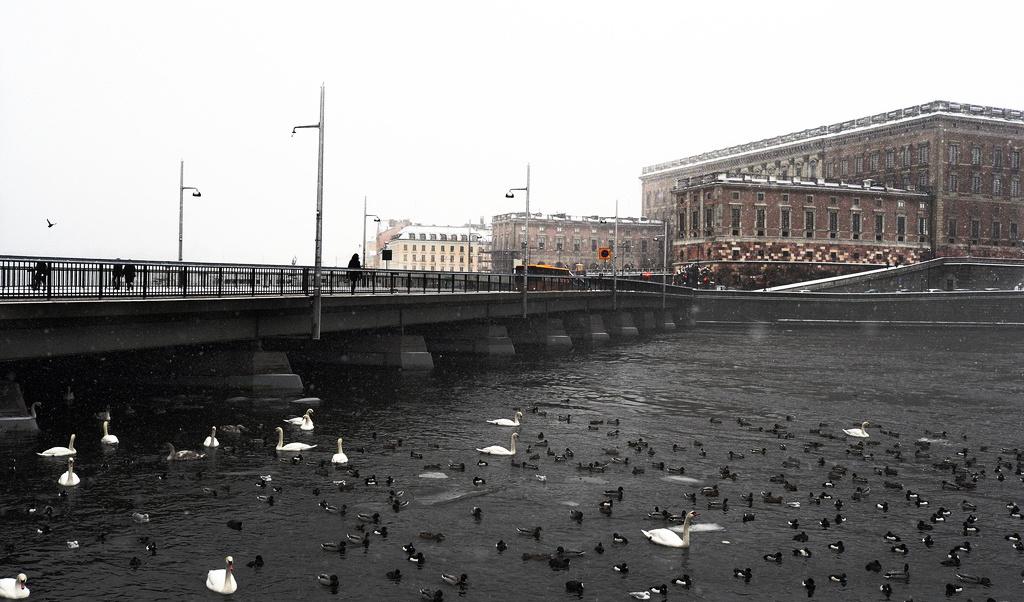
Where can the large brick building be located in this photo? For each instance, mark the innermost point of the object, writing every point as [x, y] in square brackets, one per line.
[967, 158]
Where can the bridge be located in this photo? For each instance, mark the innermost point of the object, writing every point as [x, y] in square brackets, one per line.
[241, 325]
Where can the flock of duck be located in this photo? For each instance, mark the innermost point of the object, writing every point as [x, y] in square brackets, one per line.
[841, 499]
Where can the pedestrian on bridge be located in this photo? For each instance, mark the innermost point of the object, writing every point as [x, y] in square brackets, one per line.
[354, 271]
[129, 276]
[118, 274]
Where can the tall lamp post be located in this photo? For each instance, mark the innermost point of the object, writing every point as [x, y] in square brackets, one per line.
[181, 205]
[664, 263]
[376, 218]
[615, 252]
[315, 328]
[526, 244]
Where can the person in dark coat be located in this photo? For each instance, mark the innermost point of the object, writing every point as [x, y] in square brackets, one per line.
[118, 274]
[129, 275]
[354, 271]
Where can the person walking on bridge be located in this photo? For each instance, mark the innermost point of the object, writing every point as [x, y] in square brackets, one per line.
[354, 271]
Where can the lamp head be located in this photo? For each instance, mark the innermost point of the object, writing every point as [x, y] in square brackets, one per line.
[376, 219]
[196, 193]
[510, 195]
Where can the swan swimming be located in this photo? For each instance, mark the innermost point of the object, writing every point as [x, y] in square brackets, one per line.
[69, 478]
[669, 538]
[506, 421]
[305, 421]
[222, 581]
[858, 432]
[182, 455]
[497, 450]
[291, 446]
[61, 451]
[340, 457]
[107, 437]
[14, 589]
[211, 441]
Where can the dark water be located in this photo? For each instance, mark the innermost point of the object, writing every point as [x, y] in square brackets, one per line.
[666, 390]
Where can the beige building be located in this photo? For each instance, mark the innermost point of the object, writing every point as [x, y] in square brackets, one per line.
[573, 241]
[441, 248]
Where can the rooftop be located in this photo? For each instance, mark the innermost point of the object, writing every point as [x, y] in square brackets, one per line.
[938, 107]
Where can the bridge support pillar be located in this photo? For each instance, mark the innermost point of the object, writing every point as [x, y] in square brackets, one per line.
[664, 320]
[405, 352]
[546, 333]
[253, 371]
[620, 325]
[473, 339]
[645, 321]
[14, 417]
[586, 329]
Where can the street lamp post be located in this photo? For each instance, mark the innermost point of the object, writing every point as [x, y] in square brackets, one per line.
[615, 252]
[315, 328]
[181, 205]
[526, 244]
[664, 265]
[376, 218]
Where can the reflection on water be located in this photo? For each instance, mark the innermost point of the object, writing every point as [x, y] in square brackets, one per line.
[687, 390]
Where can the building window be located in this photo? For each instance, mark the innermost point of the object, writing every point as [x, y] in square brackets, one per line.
[879, 226]
[922, 179]
[833, 224]
[682, 224]
[736, 196]
[695, 222]
[784, 222]
[559, 244]
[975, 231]
[808, 224]
[830, 170]
[858, 165]
[996, 233]
[809, 199]
[901, 227]
[736, 221]
[593, 244]
[874, 161]
[855, 225]
[905, 157]
[785, 197]
[844, 167]
[577, 244]
[1014, 186]
[997, 185]
[760, 221]
[1013, 230]
[922, 226]
[922, 154]
[953, 154]
[975, 155]
[953, 183]
[709, 220]
[1015, 160]
[643, 245]
[951, 230]
[760, 196]
[975, 183]
[997, 157]
[890, 159]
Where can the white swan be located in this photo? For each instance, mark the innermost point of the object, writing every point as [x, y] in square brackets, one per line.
[307, 422]
[301, 420]
[14, 589]
[103, 415]
[69, 478]
[340, 457]
[506, 421]
[61, 451]
[182, 455]
[497, 450]
[668, 537]
[291, 446]
[861, 432]
[222, 580]
[211, 441]
[107, 437]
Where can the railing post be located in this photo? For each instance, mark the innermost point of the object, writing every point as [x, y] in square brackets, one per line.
[49, 281]
[100, 271]
[220, 281]
[331, 277]
[252, 282]
[145, 280]
[281, 280]
[373, 282]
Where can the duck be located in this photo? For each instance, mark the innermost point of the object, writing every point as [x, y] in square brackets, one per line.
[838, 578]
[886, 590]
[432, 596]
[211, 441]
[501, 546]
[506, 422]
[574, 587]
[837, 546]
[874, 566]
[395, 575]
[808, 584]
[985, 581]
[900, 548]
[107, 438]
[644, 595]
[301, 420]
[61, 451]
[331, 546]
[621, 568]
[683, 581]
[183, 455]
[14, 589]
[69, 478]
[744, 574]
[533, 532]
[222, 580]
[328, 580]
[802, 552]
[668, 537]
[616, 538]
[801, 537]
[858, 432]
[340, 457]
[294, 446]
[899, 575]
[497, 450]
[776, 557]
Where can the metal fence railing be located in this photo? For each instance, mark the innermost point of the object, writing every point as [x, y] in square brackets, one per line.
[71, 278]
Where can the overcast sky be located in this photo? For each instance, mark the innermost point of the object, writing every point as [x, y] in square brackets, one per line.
[433, 108]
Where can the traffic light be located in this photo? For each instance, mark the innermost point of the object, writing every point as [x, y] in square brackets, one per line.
[604, 253]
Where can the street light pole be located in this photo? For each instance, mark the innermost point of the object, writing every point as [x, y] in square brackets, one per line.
[615, 252]
[181, 205]
[526, 255]
[376, 218]
[664, 265]
[315, 328]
